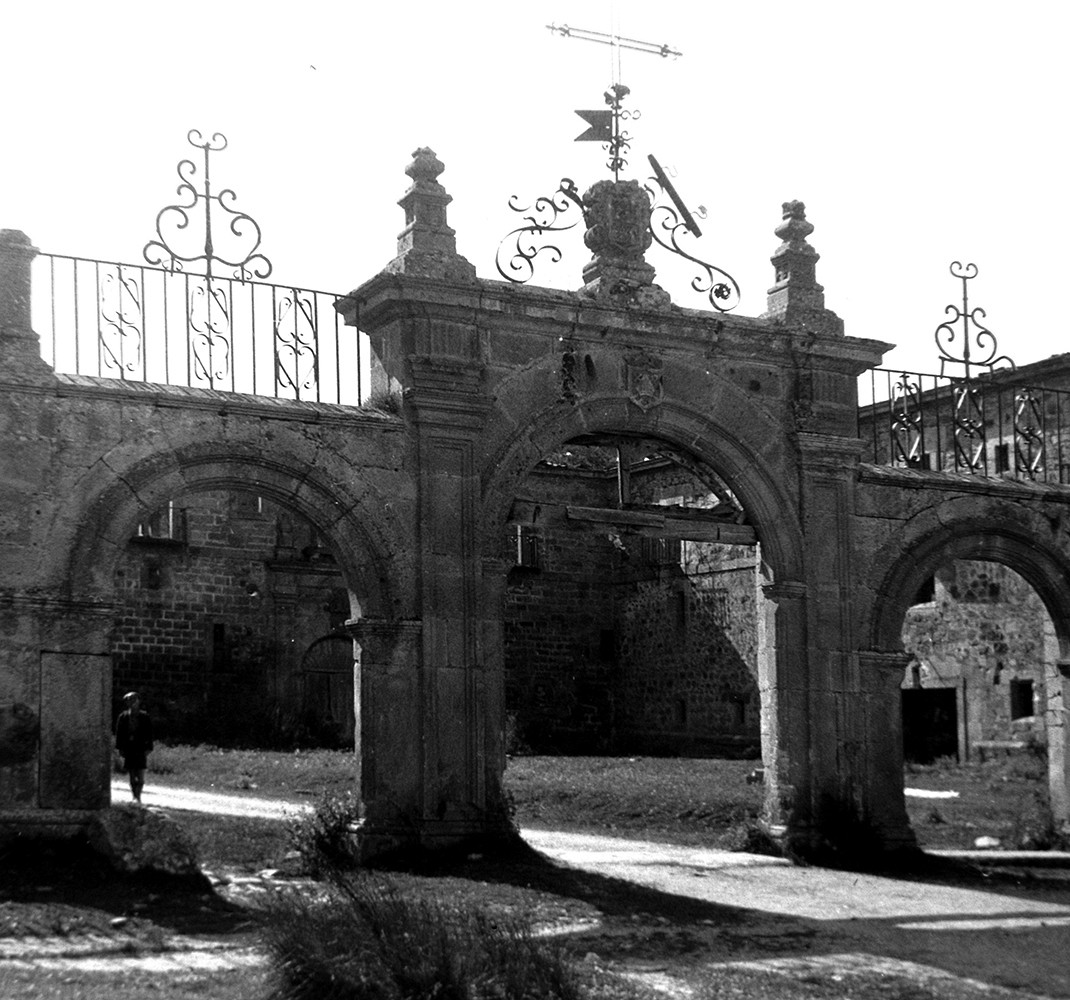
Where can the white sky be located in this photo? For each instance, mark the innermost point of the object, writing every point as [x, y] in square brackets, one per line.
[916, 133]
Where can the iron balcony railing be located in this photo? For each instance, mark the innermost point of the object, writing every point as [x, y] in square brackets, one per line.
[148, 324]
[992, 425]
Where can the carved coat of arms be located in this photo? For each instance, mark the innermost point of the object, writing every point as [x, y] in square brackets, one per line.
[643, 380]
[618, 220]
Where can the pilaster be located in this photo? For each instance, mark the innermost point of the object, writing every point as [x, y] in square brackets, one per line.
[883, 806]
[783, 673]
[1057, 690]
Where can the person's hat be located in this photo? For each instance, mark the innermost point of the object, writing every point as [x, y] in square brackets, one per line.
[130, 696]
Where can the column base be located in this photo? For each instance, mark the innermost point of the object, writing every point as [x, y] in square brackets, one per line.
[381, 843]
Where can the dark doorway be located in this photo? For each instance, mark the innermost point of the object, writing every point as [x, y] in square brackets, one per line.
[930, 724]
[327, 671]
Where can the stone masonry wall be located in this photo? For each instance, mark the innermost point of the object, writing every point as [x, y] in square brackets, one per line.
[214, 623]
[623, 642]
[982, 630]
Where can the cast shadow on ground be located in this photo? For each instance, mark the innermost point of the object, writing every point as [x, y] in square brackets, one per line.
[57, 878]
[992, 950]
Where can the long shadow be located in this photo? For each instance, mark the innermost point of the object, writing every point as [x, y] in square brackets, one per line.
[707, 931]
[57, 879]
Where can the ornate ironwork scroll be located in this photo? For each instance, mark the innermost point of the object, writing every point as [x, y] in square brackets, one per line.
[670, 221]
[209, 326]
[120, 333]
[1028, 434]
[982, 338]
[908, 439]
[296, 343]
[544, 217]
[969, 425]
[175, 221]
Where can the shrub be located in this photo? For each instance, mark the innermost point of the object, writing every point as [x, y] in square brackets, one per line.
[324, 837]
[385, 401]
[368, 941]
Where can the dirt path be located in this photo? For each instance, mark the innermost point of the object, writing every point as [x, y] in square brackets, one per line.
[715, 915]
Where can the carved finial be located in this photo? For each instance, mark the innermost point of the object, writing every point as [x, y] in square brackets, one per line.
[794, 228]
[427, 246]
[425, 166]
[796, 298]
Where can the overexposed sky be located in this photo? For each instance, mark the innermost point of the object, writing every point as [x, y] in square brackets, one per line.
[917, 133]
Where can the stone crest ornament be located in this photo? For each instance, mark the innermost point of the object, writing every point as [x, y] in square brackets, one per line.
[618, 220]
[643, 379]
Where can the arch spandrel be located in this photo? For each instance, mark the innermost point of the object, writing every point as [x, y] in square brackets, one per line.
[356, 519]
[1016, 535]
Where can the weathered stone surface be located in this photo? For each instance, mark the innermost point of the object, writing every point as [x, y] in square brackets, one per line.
[136, 840]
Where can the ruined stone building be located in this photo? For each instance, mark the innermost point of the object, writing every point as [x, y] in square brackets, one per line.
[574, 520]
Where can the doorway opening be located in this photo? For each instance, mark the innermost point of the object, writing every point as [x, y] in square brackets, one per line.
[630, 623]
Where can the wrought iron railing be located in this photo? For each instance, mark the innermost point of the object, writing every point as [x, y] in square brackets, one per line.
[147, 324]
[993, 425]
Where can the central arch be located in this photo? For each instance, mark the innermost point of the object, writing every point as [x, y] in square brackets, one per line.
[761, 476]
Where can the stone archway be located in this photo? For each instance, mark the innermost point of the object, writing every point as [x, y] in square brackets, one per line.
[357, 535]
[1018, 543]
[754, 481]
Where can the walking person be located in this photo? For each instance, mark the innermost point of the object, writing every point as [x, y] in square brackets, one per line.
[133, 740]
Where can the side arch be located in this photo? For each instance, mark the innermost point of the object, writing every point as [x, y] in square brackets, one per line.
[1016, 537]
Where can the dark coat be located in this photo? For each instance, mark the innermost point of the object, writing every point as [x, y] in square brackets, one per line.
[133, 738]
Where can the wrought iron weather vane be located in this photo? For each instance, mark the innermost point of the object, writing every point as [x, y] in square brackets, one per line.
[983, 338]
[666, 221]
[176, 219]
[209, 301]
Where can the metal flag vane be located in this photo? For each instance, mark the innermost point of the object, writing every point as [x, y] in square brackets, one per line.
[666, 220]
[605, 126]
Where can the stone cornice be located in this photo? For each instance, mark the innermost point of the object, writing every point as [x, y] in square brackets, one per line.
[209, 400]
[958, 482]
[388, 298]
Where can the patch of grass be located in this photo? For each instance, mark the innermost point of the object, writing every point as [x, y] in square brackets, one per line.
[685, 801]
[369, 940]
[324, 837]
[1004, 797]
[242, 842]
[295, 776]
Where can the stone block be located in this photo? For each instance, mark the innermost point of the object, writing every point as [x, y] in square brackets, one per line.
[135, 840]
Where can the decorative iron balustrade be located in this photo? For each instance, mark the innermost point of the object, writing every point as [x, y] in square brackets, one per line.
[993, 425]
[146, 324]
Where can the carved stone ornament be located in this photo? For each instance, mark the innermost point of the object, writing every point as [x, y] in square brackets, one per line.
[643, 380]
[618, 220]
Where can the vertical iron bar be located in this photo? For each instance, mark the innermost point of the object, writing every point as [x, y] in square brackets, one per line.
[166, 333]
[338, 359]
[314, 301]
[360, 374]
[77, 330]
[143, 333]
[52, 292]
[252, 330]
[937, 455]
[189, 338]
[96, 303]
